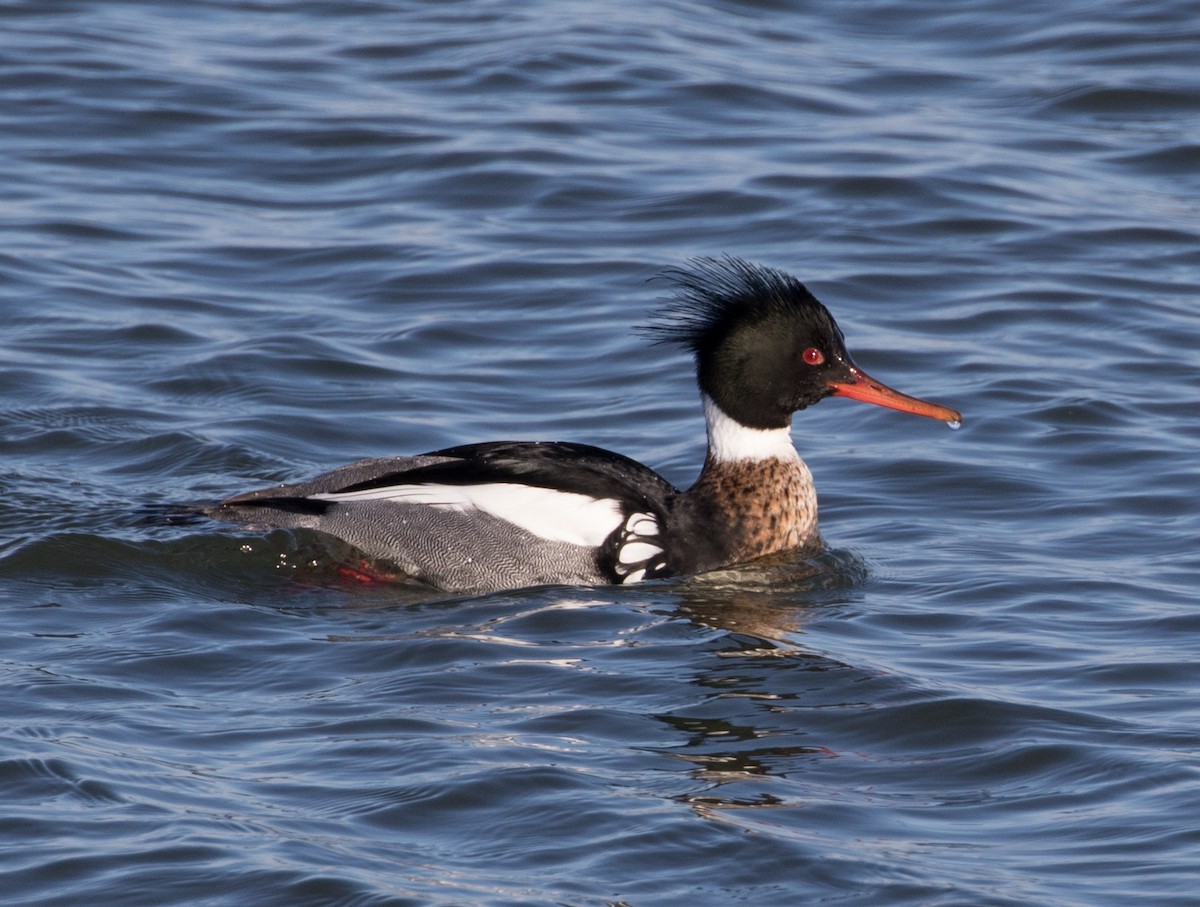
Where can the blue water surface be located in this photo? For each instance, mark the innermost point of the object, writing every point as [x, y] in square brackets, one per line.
[245, 242]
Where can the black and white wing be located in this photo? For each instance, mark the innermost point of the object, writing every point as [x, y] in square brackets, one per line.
[485, 516]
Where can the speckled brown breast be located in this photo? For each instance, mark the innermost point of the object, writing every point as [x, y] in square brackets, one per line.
[765, 506]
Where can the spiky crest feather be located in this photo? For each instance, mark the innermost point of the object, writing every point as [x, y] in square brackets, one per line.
[713, 295]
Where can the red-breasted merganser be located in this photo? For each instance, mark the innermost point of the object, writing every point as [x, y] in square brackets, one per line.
[508, 514]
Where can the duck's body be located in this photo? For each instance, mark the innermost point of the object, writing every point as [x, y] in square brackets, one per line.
[509, 514]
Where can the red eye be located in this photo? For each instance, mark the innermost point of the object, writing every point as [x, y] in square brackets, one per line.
[813, 356]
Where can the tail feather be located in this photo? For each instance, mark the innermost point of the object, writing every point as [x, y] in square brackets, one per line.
[301, 506]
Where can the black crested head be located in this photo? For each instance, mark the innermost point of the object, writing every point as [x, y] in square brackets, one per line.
[755, 333]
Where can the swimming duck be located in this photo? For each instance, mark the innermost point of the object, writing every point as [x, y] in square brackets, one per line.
[509, 514]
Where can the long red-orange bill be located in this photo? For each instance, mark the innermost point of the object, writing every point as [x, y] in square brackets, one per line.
[865, 388]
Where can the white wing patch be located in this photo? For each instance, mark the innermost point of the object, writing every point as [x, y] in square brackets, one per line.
[639, 550]
[636, 552]
[561, 516]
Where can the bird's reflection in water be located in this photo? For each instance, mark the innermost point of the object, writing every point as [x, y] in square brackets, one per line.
[748, 733]
[771, 598]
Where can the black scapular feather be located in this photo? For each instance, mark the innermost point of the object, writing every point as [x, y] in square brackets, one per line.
[557, 465]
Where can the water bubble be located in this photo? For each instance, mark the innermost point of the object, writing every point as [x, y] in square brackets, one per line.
[955, 424]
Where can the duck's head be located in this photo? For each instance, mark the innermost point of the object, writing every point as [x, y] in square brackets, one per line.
[765, 347]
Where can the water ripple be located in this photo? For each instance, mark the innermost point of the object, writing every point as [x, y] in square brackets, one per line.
[246, 242]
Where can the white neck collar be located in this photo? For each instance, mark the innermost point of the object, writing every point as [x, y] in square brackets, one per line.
[730, 441]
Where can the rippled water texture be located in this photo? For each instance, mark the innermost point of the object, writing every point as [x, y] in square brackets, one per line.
[244, 242]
